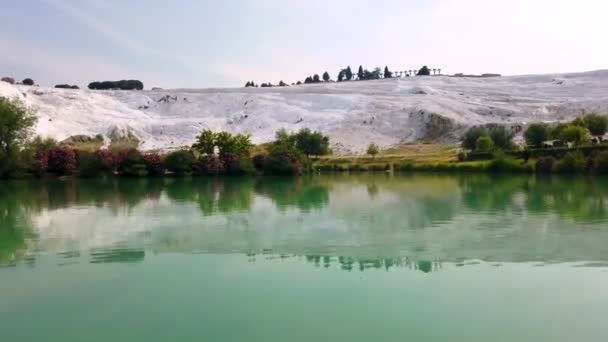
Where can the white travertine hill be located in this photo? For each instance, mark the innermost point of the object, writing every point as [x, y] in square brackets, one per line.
[354, 114]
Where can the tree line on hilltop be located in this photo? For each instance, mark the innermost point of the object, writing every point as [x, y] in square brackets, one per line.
[347, 74]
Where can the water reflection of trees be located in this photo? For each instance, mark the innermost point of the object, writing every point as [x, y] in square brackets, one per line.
[382, 217]
[304, 193]
[579, 198]
[361, 263]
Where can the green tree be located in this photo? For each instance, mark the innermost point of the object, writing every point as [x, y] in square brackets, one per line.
[316, 79]
[326, 76]
[373, 149]
[16, 122]
[387, 73]
[341, 76]
[348, 73]
[311, 143]
[536, 134]
[575, 134]
[424, 71]
[205, 142]
[469, 140]
[360, 72]
[180, 162]
[502, 137]
[484, 144]
[596, 124]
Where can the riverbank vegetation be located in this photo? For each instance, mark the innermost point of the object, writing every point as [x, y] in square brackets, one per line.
[212, 154]
[573, 147]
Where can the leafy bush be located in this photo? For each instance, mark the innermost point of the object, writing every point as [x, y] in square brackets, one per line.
[596, 124]
[131, 163]
[312, 143]
[239, 144]
[109, 160]
[154, 164]
[9, 80]
[284, 159]
[484, 144]
[66, 86]
[258, 161]
[502, 137]
[574, 134]
[424, 71]
[90, 164]
[504, 163]
[180, 162]
[545, 165]
[61, 161]
[28, 82]
[536, 134]
[210, 165]
[469, 140]
[373, 149]
[16, 122]
[573, 162]
[123, 85]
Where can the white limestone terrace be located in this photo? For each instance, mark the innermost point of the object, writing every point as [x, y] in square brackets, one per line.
[387, 112]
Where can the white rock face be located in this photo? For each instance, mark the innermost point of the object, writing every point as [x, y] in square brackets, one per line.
[354, 114]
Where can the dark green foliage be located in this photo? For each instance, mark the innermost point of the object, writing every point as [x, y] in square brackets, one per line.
[66, 86]
[469, 140]
[311, 143]
[258, 161]
[574, 134]
[484, 144]
[283, 159]
[210, 165]
[536, 134]
[424, 71]
[326, 76]
[504, 163]
[341, 76]
[132, 164]
[545, 164]
[154, 164]
[28, 82]
[601, 163]
[373, 149]
[16, 123]
[180, 162]
[476, 156]
[502, 137]
[573, 162]
[90, 164]
[596, 124]
[239, 144]
[348, 73]
[387, 73]
[122, 85]
[316, 79]
[360, 72]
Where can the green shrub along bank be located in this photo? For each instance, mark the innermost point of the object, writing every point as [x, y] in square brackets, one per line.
[212, 154]
[222, 153]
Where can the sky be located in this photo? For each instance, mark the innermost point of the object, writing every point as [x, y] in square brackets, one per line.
[204, 43]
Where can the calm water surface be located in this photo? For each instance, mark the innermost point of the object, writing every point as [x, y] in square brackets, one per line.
[327, 258]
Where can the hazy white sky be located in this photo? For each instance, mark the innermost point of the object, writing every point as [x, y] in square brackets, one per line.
[196, 43]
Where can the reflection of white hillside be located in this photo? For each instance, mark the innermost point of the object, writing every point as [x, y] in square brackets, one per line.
[360, 217]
